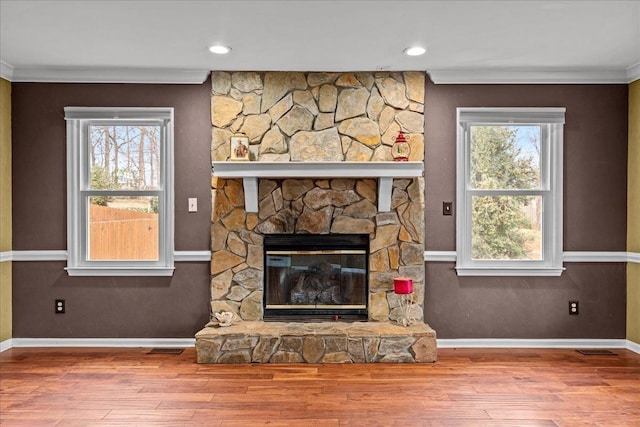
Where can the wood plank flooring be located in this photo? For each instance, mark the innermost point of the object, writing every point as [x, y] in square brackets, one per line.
[466, 387]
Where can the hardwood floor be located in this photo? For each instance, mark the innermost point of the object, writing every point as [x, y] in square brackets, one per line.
[466, 387]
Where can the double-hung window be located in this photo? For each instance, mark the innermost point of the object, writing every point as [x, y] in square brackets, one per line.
[509, 191]
[119, 191]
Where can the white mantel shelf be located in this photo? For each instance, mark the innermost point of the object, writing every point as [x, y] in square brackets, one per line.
[385, 172]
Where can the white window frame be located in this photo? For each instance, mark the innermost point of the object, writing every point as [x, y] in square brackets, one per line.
[78, 189]
[551, 121]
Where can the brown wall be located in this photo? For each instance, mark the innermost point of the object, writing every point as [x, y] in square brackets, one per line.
[595, 206]
[595, 153]
[105, 307]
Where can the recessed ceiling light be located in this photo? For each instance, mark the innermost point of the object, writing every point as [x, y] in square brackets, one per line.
[219, 49]
[415, 51]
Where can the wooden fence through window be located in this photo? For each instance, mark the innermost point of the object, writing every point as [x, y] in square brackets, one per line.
[122, 234]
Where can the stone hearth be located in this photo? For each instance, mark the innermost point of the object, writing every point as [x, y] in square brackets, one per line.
[326, 342]
[330, 117]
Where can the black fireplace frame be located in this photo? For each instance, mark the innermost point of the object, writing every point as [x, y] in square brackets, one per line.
[315, 242]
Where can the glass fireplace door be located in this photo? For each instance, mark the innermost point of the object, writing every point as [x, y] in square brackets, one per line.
[311, 277]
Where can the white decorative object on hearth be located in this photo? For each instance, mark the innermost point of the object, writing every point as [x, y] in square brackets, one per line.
[225, 318]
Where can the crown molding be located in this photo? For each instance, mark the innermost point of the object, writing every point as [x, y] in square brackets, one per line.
[176, 76]
[497, 76]
[633, 72]
[107, 75]
[6, 71]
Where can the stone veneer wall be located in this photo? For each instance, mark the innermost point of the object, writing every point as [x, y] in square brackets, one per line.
[316, 117]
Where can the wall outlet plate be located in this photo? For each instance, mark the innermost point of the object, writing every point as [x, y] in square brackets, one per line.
[60, 306]
[574, 308]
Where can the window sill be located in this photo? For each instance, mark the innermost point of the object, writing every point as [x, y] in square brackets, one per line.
[514, 271]
[101, 271]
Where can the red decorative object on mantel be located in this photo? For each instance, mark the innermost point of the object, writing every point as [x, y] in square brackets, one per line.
[400, 149]
[403, 285]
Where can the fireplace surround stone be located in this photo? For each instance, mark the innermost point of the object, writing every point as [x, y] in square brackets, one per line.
[316, 117]
[308, 206]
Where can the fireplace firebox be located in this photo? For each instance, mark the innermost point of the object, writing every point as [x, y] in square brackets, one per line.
[316, 277]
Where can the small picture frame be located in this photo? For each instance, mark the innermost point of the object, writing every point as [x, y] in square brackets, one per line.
[239, 147]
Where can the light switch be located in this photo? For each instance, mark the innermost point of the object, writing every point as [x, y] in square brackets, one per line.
[447, 208]
[193, 204]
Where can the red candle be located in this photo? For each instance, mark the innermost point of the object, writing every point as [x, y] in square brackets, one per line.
[403, 285]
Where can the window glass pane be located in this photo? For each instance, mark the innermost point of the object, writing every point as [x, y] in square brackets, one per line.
[125, 157]
[123, 228]
[506, 228]
[505, 157]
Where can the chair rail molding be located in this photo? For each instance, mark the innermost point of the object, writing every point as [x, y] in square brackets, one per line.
[568, 256]
[429, 256]
[6, 256]
[61, 255]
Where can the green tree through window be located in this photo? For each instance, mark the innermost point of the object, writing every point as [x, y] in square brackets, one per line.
[500, 225]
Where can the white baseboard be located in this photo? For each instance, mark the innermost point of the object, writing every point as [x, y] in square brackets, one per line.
[6, 345]
[442, 343]
[537, 343]
[633, 346]
[103, 342]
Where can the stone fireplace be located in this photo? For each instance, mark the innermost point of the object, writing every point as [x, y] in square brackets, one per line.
[300, 120]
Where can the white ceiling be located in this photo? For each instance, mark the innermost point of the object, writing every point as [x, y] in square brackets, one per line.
[466, 41]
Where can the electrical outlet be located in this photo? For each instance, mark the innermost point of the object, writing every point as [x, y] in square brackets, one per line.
[59, 306]
[574, 308]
